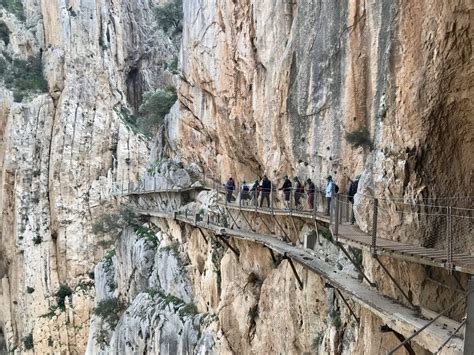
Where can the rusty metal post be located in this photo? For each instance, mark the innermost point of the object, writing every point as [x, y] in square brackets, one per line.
[271, 197]
[315, 201]
[374, 227]
[239, 195]
[449, 235]
[291, 200]
[256, 198]
[469, 331]
[348, 204]
[337, 215]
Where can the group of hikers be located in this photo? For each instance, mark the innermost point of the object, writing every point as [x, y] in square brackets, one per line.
[264, 189]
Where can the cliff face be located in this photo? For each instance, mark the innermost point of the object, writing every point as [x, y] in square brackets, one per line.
[274, 86]
[265, 87]
[60, 150]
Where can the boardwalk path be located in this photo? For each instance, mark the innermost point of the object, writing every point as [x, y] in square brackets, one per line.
[398, 317]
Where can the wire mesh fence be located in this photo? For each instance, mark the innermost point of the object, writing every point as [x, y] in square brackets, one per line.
[446, 231]
[431, 225]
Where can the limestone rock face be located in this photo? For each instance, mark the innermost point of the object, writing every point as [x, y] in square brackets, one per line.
[274, 86]
[160, 315]
[60, 151]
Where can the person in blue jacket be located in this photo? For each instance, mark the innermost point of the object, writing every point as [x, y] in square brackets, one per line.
[330, 187]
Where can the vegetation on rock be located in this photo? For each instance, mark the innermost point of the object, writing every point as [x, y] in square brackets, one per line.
[4, 33]
[28, 342]
[23, 76]
[15, 7]
[360, 138]
[110, 310]
[170, 16]
[63, 292]
[156, 105]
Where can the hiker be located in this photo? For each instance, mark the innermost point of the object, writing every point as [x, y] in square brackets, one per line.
[311, 191]
[286, 188]
[254, 191]
[230, 187]
[244, 192]
[352, 191]
[299, 191]
[266, 188]
[330, 189]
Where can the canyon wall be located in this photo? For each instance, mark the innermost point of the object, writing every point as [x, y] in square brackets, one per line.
[60, 151]
[265, 86]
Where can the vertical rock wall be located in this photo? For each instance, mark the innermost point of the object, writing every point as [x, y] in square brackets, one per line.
[274, 86]
[59, 152]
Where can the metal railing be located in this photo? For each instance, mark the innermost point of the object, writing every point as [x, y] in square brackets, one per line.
[445, 229]
[274, 200]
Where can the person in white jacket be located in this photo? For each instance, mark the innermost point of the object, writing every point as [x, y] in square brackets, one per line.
[330, 187]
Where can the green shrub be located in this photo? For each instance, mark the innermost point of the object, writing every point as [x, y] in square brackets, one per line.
[15, 7]
[110, 310]
[189, 309]
[28, 342]
[326, 234]
[30, 289]
[4, 33]
[170, 16]
[102, 338]
[37, 240]
[360, 138]
[335, 318]
[63, 292]
[317, 341]
[173, 66]
[173, 248]
[24, 76]
[357, 256]
[148, 234]
[113, 223]
[155, 107]
[253, 312]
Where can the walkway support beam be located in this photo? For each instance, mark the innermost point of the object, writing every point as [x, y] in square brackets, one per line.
[374, 227]
[357, 319]
[221, 237]
[357, 266]
[290, 261]
[396, 283]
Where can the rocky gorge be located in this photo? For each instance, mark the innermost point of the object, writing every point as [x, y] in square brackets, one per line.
[262, 87]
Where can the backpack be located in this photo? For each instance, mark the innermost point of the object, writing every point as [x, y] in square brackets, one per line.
[336, 188]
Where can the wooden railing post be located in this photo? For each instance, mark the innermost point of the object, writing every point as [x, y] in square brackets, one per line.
[374, 227]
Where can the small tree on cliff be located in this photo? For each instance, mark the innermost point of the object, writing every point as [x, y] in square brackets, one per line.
[170, 16]
[155, 107]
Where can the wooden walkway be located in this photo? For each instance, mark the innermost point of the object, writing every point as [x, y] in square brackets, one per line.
[397, 316]
[307, 214]
[169, 190]
[350, 235]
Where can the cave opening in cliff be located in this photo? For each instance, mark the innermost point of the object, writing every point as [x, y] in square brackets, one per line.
[134, 84]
